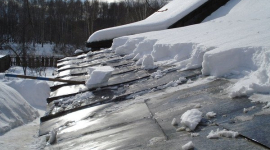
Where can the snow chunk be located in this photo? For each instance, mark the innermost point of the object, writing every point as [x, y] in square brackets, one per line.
[194, 134]
[52, 138]
[222, 133]
[211, 115]
[174, 123]
[191, 118]
[188, 146]
[245, 110]
[99, 76]
[78, 51]
[148, 62]
[157, 74]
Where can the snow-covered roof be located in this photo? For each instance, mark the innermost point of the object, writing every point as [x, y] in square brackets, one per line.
[164, 85]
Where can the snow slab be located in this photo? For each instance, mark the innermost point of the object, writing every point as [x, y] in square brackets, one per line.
[160, 20]
[232, 43]
[99, 76]
[2, 56]
[15, 110]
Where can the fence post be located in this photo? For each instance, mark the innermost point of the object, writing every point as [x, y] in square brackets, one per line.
[42, 61]
[51, 62]
[18, 61]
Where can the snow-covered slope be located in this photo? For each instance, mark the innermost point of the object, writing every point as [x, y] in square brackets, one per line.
[160, 20]
[14, 109]
[233, 42]
[34, 91]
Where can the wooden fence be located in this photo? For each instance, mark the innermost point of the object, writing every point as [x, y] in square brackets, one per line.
[31, 61]
[37, 61]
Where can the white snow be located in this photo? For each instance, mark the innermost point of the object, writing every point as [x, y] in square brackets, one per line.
[222, 133]
[24, 137]
[2, 56]
[174, 123]
[148, 62]
[188, 146]
[157, 74]
[15, 110]
[99, 76]
[191, 118]
[33, 91]
[160, 20]
[232, 43]
[156, 140]
[77, 51]
[210, 114]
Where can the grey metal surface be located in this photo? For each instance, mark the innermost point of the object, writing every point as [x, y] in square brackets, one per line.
[134, 135]
[211, 97]
[255, 126]
[46, 127]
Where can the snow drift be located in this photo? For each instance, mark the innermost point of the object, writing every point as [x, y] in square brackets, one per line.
[14, 109]
[33, 91]
[233, 42]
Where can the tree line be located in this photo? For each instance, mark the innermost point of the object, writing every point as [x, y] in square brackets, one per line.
[66, 22]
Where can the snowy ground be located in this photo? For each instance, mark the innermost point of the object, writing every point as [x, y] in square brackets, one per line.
[31, 96]
[24, 137]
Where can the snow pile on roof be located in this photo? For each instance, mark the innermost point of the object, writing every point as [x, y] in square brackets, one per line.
[148, 62]
[222, 133]
[99, 76]
[15, 110]
[162, 19]
[191, 118]
[233, 42]
[33, 91]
